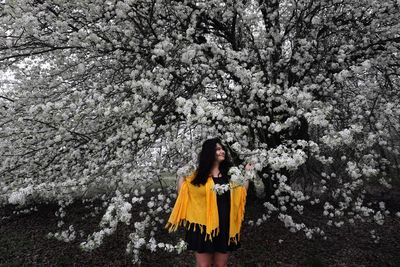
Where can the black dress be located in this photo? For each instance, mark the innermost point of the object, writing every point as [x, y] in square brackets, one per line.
[195, 239]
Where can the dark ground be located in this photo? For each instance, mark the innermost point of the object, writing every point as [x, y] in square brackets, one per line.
[23, 242]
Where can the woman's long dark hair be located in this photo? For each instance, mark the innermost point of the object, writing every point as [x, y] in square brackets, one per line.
[206, 160]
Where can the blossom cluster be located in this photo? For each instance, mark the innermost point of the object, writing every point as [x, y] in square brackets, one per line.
[221, 188]
[118, 210]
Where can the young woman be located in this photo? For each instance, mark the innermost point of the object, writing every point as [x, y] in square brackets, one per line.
[212, 220]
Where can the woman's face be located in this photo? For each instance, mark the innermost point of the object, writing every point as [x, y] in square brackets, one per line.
[219, 153]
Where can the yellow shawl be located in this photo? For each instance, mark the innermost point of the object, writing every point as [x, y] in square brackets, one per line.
[198, 205]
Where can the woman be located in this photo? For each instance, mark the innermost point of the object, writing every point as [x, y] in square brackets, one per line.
[212, 220]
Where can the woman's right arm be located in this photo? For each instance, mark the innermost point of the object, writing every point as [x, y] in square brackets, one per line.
[180, 182]
[248, 167]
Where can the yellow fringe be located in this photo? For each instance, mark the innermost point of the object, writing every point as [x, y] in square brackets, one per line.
[214, 233]
[234, 239]
[186, 224]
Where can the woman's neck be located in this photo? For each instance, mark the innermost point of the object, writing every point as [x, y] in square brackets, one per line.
[215, 170]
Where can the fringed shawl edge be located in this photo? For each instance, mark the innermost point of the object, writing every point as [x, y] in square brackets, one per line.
[187, 224]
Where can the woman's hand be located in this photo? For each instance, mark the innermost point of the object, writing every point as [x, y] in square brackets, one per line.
[248, 167]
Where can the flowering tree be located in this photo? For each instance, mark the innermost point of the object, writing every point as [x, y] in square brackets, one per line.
[112, 93]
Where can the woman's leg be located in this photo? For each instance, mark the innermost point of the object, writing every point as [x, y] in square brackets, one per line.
[220, 259]
[203, 259]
